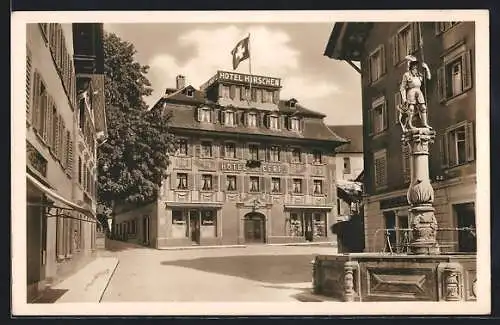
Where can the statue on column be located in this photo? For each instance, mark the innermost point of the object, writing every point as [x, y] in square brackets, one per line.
[412, 95]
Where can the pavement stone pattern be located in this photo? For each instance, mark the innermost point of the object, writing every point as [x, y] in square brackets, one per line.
[256, 273]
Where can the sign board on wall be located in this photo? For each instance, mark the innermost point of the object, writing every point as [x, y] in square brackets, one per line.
[241, 167]
[240, 78]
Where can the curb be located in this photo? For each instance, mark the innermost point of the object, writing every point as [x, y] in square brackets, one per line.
[174, 248]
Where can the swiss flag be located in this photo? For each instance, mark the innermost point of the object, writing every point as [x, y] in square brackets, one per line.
[241, 52]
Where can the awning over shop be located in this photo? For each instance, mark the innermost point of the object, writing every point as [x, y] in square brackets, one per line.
[54, 195]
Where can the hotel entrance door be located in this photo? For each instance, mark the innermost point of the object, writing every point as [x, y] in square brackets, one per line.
[194, 226]
[308, 226]
[254, 228]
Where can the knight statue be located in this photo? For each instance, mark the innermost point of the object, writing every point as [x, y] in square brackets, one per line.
[412, 95]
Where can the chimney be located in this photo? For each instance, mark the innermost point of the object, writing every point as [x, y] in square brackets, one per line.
[180, 81]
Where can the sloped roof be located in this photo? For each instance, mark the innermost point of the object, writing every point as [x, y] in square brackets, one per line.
[352, 133]
[283, 106]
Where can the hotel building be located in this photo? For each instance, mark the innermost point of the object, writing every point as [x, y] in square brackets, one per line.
[250, 168]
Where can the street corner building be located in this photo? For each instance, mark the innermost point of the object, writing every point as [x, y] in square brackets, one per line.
[448, 49]
[64, 117]
[250, 168]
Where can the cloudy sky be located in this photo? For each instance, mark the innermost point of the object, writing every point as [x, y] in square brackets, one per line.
[291, 51]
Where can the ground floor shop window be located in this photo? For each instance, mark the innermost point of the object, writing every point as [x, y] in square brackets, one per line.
[295, 225]
[466, 221]
[179, 224]
[208, 223]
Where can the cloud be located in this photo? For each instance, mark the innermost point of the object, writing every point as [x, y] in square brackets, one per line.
[272, 52]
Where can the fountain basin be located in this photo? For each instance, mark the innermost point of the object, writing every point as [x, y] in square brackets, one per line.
[395, 277]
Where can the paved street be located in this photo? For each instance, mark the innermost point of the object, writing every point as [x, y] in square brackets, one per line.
[254, 273]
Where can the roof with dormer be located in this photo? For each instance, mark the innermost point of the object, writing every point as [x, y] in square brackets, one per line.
[184, 108]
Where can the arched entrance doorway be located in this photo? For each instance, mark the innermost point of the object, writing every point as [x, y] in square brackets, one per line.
[254, 227]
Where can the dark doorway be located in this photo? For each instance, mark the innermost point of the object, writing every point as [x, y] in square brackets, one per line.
[194, 226]
[145, 230]
[390, 233]
[308, 226]
[254, 228]
[466, 218]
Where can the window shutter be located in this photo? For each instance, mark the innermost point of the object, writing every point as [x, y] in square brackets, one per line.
[190, 181]
[245, 118]
[246, 187]
[414, 36]
[290, 185]
[232, 91]
[64, 149]
[55, 130]
[441, 83]
[276, 97]
[239, 183]
[213, 116]
[198, 114]
[385, 116]
[28, 84]
[443, 144]
[267, 184]
[62, 128]
[222, 117]
[393, 46]
[173, 179]
[382, 58]
[36, 100]
[49, 115]
[197, 150]
[239, 150]
[215, 182]
[467, 66]
[367, 70]
[282, 184]
[69, 154]
[470, 140]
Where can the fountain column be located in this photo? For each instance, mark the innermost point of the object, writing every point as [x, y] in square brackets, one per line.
[420, 193]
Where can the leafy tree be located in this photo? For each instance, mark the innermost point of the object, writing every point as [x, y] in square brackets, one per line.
[133, 160]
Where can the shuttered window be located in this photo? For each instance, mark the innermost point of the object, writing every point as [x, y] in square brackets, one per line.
[380, 169]
[69, 154]
[458, 145]
[404, 42]
[377, 66]
[454, 76]
[378, 115]
[28, 85]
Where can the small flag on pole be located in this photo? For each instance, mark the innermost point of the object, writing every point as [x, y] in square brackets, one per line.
[241, 51]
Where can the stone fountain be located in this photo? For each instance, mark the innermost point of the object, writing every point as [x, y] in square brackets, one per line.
[424, 274]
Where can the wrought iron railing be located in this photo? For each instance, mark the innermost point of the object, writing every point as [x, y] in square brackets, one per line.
[450, 240]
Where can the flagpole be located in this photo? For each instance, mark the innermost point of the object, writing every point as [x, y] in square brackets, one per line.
[250, 64]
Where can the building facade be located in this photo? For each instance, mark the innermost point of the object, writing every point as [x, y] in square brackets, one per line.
[250, 168]
[348, 162]
[63, 120]
[448, 49]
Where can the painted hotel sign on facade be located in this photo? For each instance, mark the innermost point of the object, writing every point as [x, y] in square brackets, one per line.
[241, 167]
[243, 79]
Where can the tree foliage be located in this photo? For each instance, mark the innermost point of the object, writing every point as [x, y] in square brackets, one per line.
[134, 159]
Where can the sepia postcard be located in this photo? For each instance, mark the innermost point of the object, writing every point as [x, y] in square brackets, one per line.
[250, 163]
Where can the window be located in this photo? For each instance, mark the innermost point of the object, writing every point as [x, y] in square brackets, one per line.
[378, 115]
[225, 92]
[275, 185]
[205, 115]
[254, 184]
[405, 42]
[274, 154]
[273, 122]
[406, 163]
[294, 124]
[295, 228]
[79, 170]
[190, 92]
[380, 168]
[206, 149]
[207, 217]
[317, 157]
[231, 183]
[206, 181]
[178, 217]
[376, 64]
[318, 186]
[297, 186]
[319, 224]
[230, 150]
[459, 145]
[237, 92]
[183, 147]
[296, 155]
[441, 27]
[245, 93]
[182, 181]
[253, 150]
[454, 76]
[229, 118]
[252, 119]
[347, 165]
[258, 95]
